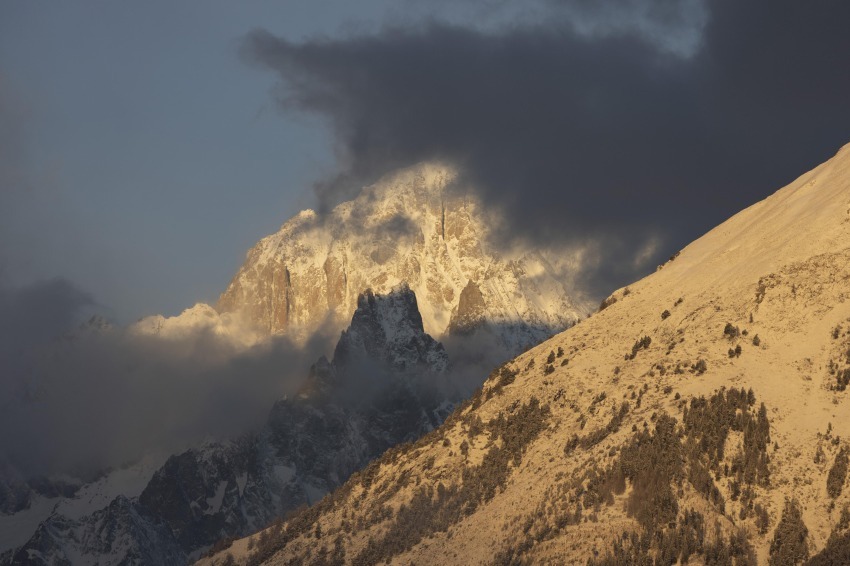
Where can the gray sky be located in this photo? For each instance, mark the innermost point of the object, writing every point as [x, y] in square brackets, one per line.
[145, 147]
[142, 157]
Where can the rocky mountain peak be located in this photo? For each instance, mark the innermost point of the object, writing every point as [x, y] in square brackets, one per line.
[388, 329]
[417, 228]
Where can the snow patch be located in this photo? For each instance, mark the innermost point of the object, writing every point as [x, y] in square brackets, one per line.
[241, 482]
[17, 528]
[129, 482]
[214, 502]
[284, 474]
[314, 493]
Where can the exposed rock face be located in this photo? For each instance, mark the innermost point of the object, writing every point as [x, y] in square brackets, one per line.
[380, 389]
[388, 330]
[406, 229]
[469, 314]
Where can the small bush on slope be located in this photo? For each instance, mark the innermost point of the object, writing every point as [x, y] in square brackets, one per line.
[503, 377]
[842, 379]
[601, 434]
[639, 345]
[607, 303]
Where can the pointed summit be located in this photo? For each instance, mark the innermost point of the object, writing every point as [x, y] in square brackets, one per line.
[415, 228]
[388, 329]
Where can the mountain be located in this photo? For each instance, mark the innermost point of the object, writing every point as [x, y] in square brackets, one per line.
[121, 533]
[702, 415]
[38, 498]
[417, 227]
[385, 385]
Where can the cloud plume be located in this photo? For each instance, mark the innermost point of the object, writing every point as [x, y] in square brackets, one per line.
[579, 123]
[78, 402]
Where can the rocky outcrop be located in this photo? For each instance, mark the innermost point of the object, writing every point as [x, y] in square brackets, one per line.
[388, 330]
[469, 315]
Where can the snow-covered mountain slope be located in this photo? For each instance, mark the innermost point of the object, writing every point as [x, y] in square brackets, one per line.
[384, 386]
[75, 501]
[702, 416]
[410, 228]
[121, 533]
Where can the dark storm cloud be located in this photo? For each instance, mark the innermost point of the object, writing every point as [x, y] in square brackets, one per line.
[606, 137]
[37, 313]
[75, 400]
[526, 115]
[30, 316]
